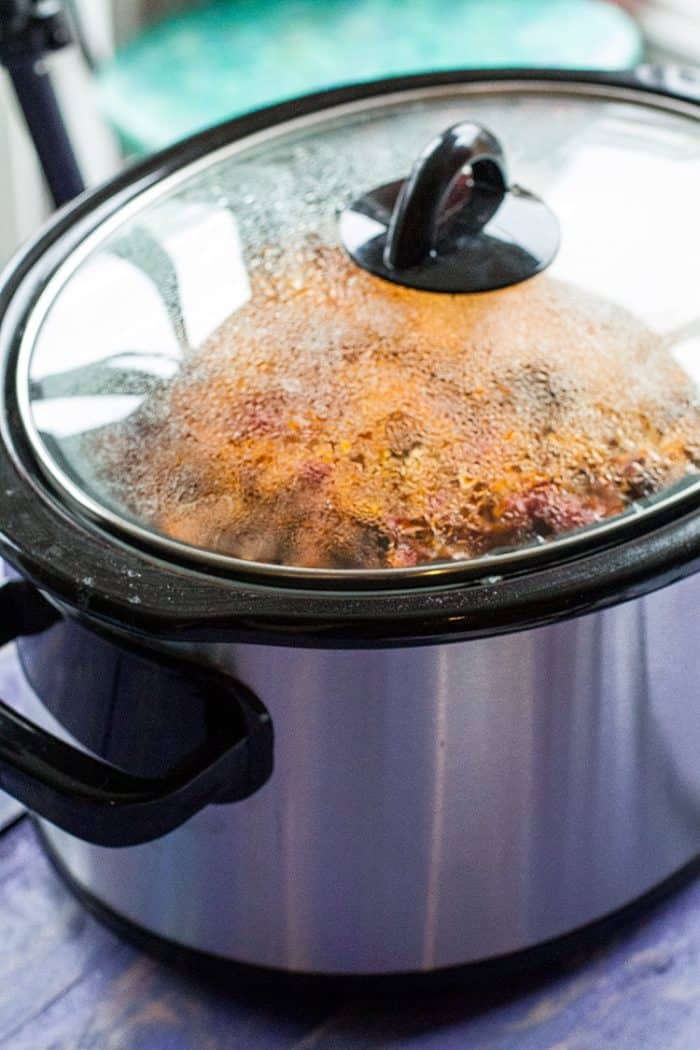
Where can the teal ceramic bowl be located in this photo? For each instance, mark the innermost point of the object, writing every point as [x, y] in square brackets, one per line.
[221, 59]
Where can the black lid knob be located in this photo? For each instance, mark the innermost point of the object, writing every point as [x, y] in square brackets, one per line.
[454, 225]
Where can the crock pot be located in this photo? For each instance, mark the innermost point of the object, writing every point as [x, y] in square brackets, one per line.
[325, 766]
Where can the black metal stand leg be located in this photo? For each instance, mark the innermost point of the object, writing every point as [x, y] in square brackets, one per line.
[37, 98]
[28, 30]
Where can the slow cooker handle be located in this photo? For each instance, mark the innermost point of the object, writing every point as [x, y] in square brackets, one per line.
[454, 225]
[424, 198]
[101, 803]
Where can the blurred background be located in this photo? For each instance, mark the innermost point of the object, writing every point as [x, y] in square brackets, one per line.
[144, 73]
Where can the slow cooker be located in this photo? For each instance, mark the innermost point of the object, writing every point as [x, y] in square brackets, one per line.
[350, 474]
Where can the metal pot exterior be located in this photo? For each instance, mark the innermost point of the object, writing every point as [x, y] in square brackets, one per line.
[439, 805]
[430, 805]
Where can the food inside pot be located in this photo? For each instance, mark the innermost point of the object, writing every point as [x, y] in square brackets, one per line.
[340, 421]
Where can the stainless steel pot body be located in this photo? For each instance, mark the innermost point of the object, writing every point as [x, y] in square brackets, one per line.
[429, 805]
[437, 805]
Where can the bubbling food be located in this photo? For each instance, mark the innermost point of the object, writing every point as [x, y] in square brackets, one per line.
[339, 421]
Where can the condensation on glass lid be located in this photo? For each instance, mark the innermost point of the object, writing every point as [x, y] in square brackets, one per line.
[339, 422]
[210, 368]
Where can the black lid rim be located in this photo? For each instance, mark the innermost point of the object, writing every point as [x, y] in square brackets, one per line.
[105, 579]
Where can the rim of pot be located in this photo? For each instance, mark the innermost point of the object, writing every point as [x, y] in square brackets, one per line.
[127, 580]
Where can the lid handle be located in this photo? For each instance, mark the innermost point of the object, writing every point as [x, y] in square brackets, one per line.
[461, 171]
[455, 224]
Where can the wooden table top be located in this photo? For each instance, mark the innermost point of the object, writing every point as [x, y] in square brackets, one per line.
[68, 983]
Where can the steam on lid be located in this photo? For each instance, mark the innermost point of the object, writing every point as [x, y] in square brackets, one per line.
[340, 421]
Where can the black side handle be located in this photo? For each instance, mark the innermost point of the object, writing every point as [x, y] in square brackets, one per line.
[99, 802]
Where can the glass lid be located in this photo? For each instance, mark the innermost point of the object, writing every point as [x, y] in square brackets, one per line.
[220, 370]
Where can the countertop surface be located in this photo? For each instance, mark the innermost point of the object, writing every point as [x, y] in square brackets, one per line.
[68, 982]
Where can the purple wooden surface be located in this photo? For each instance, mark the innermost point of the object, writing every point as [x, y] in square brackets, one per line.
[10, 811]
[67, 983]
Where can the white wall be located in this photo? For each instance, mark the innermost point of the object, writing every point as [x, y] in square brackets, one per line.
[24, 202]
[673, 29]
[110, 22]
